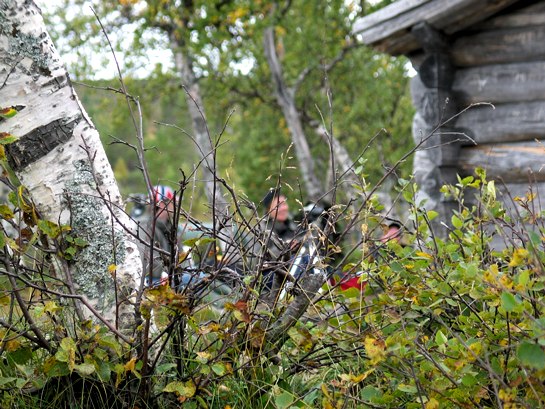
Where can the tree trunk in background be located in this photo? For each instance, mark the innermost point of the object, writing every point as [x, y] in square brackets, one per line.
[60, 160]
[343, 164]
[205, 147]
[286, 99]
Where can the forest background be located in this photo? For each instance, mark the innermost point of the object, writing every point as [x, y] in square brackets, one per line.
[360, 97]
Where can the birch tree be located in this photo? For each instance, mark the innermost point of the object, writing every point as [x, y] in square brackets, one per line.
[285, 97]
[59, 159]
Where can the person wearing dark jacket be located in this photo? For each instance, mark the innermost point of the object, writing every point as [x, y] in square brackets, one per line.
[156, 222]
[278, 217]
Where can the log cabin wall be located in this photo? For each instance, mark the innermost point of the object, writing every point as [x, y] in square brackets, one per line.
[503, 62]
[497, 58]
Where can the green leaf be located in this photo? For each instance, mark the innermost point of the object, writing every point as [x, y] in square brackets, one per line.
[20, 383]
[508, 301]
[407, 388]
[440, 338]
[20, 356]
[491, 189]
[219, 368]
[284, 400]
[9, 112]
[5, 381]
[432, 214]
[185, 389]
[369, 393]
[161, 369]
[49, 228]
[85, 369]
[469, 380]
[80, 242]
[531, 355]
[524, 277]
[456, 222]
[109, 341]
[104, 371]
[6, 138]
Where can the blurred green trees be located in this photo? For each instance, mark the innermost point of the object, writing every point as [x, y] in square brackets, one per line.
[350, 90]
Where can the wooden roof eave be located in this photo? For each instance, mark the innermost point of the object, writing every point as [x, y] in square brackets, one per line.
[389, 29]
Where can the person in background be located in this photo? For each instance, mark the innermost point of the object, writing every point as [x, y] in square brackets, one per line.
[278, 217]
[157, 221]
[392, 230]
[296, 245]
[279, 231]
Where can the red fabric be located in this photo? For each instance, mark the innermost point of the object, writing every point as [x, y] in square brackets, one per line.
[349, 282]
[163, 193]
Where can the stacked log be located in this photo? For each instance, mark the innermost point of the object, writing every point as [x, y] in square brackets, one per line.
[502, 62]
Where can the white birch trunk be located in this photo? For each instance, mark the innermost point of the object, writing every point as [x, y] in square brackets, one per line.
[61, 161]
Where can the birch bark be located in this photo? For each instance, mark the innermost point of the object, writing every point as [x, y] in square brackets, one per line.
[286, 101]
[207, 152]
[60, 160]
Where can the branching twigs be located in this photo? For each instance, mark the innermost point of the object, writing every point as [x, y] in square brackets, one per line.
[42, 341]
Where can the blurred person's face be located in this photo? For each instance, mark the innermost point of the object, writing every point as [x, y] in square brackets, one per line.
[164, 210]
[279, 209]
[391, 233]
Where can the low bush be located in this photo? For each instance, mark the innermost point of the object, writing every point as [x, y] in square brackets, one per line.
[444, 320]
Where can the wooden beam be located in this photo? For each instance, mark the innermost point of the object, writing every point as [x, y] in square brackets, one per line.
[389, 28]
[511, 163]
[500, 83]
[500, 46]
[529, 16]
[520, 121]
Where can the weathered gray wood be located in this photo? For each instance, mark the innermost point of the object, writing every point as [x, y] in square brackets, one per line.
[529, 16]
[514, 196]
[509, 191]
[435, 105]
[387, 13]
[500, 46]
[504, 123]
[514, 162]
[395, 21]
[500, 83]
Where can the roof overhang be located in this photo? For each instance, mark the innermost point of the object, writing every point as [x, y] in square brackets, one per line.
[389, 29]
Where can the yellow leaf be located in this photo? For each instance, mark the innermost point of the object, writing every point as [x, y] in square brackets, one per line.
[203, 356]
[182, 389]
[361, 377]
[12, 345]
[375, 349]
[432, 404]
[129, 366]
[423, 254]
[325, 391]
[519, 256]
[51, 307]
[364, 375]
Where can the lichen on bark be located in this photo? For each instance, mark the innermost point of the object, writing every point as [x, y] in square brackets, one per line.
[104, 247]
[22, 45]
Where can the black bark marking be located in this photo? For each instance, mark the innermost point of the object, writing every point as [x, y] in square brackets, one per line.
[39, 142]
